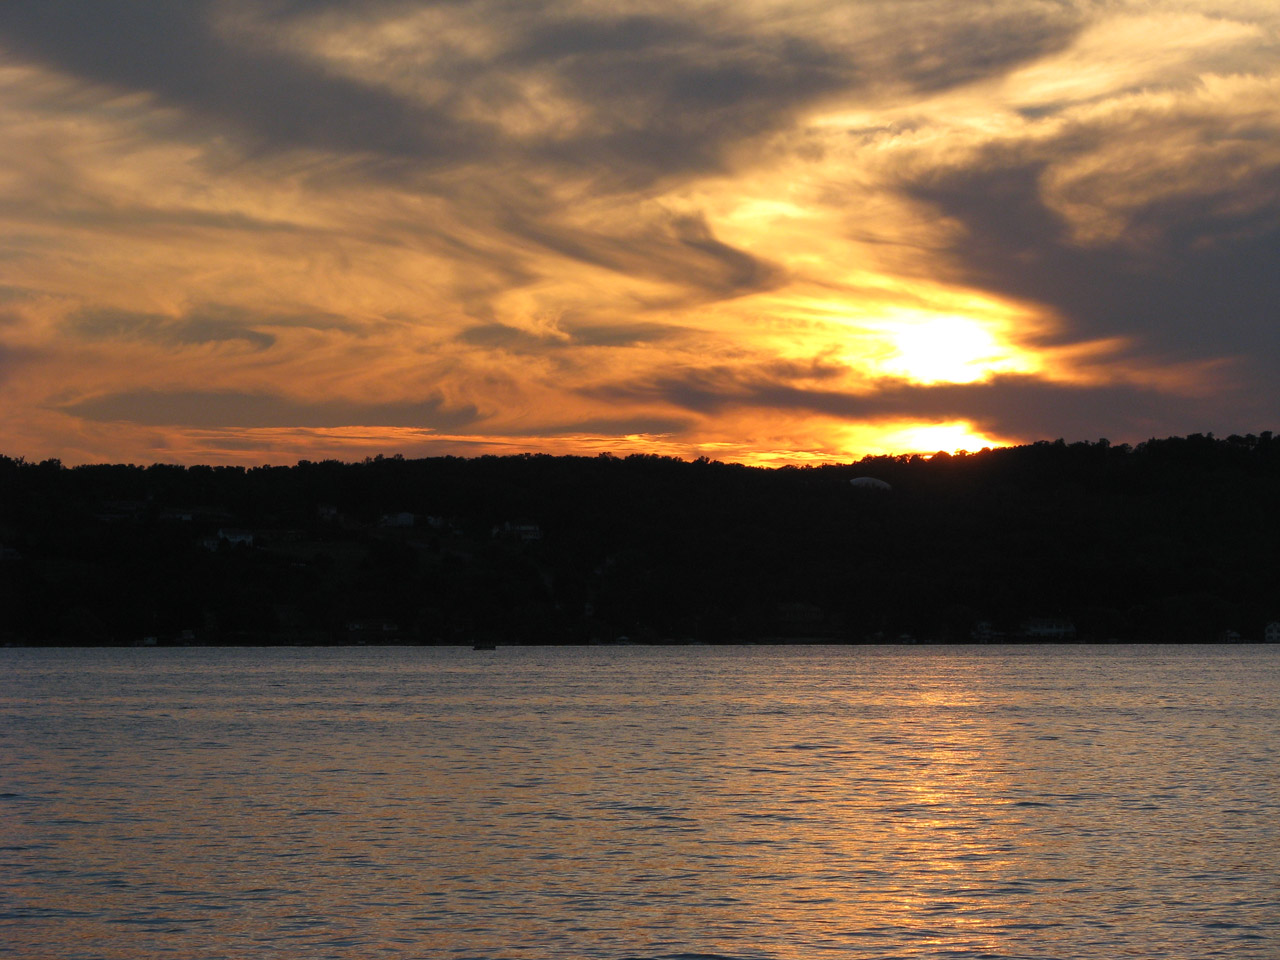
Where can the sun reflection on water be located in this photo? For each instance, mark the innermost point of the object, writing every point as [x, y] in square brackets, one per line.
[641, 802]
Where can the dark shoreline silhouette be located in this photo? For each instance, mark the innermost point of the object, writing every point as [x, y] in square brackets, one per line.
[1172, 540]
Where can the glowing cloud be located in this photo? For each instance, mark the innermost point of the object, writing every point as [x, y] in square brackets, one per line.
[790, 231]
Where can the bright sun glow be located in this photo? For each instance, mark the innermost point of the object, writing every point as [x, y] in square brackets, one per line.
[924, 438]
[950, 349]
[791, 278]
[943, 436]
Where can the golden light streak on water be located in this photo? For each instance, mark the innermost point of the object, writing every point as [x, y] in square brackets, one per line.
[781, 802]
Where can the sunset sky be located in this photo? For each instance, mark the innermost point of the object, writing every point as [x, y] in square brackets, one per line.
[769, 231]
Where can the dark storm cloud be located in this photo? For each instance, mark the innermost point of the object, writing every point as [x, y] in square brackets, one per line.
[737, 270]
[212, 409]
[662, 95]
[173, 50]
[940, 50]
[606, 427]
[1185, 274]
[656, 98]
[1009, 405]
[659, 96]
[501, 336]
[12, 358]
[1207, 278]
[194, 328]
[11, 294]
[681, 251]
[209, 323]
[481, 162]
[666, 95]
[100, 213]
[669, 95]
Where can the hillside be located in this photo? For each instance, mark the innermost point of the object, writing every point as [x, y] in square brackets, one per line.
[1171, 540]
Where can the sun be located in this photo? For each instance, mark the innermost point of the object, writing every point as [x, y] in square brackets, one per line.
[951, 437]
[949, 349]
[908, 436]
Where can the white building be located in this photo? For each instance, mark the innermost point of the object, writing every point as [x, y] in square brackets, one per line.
[1048, 628]
[984, 632]
[523, 530]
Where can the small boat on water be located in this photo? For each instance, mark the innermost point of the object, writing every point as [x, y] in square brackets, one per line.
[485, 646]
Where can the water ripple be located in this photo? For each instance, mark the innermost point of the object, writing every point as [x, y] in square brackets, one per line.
[641, 803]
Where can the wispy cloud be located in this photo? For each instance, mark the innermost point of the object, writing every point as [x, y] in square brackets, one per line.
[774, 229]
[199, 327]
[206, 408]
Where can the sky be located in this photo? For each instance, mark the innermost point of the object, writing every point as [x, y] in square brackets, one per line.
[762, 231]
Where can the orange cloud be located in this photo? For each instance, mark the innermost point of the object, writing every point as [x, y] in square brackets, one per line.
[783, 233]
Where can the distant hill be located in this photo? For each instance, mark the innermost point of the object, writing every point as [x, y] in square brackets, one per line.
[1171, 540]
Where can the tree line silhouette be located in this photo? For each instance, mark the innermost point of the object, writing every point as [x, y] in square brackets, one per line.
[1170, 540]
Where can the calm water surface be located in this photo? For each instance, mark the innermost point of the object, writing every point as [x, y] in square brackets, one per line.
[756, 802]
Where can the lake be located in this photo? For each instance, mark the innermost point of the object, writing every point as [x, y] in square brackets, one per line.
[640, 802]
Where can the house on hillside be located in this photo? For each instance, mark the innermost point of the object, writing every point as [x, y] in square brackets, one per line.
[375, 629]
[524, 531]
[230, 536]
[1048, 628]
[985, 632]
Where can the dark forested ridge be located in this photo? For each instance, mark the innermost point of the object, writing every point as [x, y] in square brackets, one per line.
[1171, 540]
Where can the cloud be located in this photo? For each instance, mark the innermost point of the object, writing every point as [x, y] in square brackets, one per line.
[209, 326]
[1201, 280]
[721, 224]
[937, 47]
[211, 323]
[626, 98]
[1011, 405]
[176, 53]
[14, 358]
[211, 409]
[668, 96]
[679, 250]
[499, 335]
[568, 335]
[622, 334]
[609, 427]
